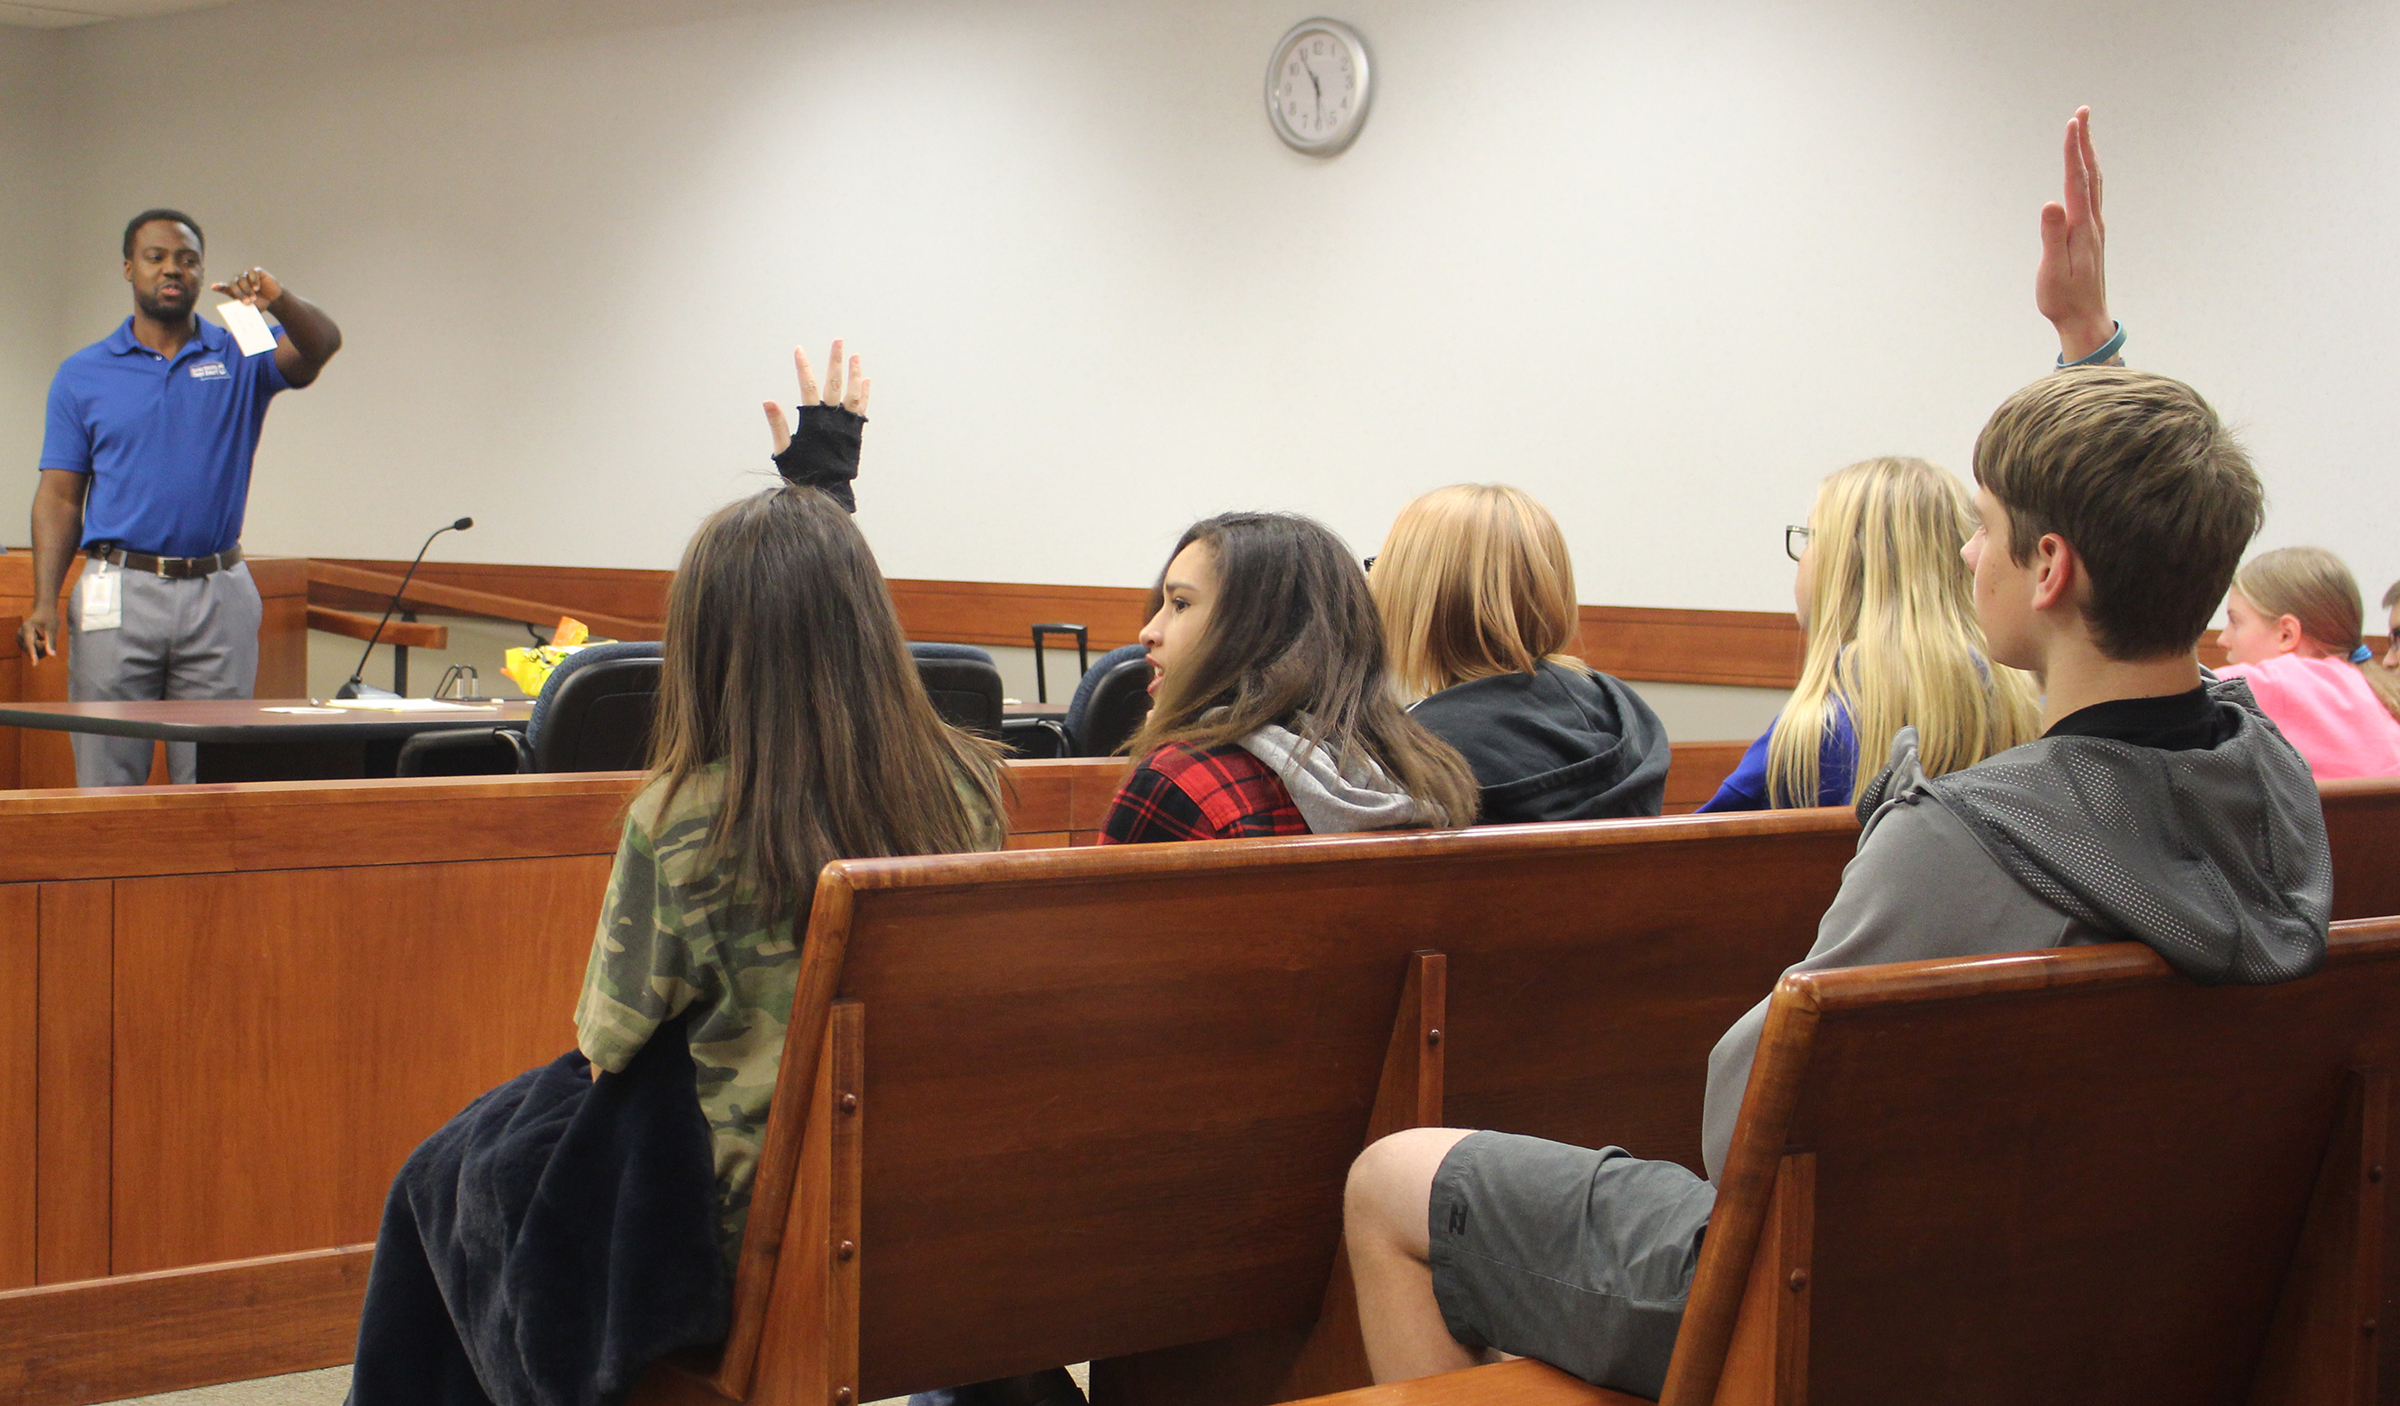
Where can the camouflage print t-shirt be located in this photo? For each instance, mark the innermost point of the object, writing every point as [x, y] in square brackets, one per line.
[677, 935]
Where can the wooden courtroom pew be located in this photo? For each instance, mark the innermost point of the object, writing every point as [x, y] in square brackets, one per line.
[1163, 1200]
[1649, 924]
[2069, 1177]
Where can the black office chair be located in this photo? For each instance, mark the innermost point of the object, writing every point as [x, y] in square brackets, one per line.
[594, 714]
[963, 683]
[1111, 702]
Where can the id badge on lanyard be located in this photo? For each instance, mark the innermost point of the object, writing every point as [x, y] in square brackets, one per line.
[100, 597]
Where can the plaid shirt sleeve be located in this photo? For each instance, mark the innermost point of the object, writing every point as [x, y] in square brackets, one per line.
[1150, 808]
[1182, 793]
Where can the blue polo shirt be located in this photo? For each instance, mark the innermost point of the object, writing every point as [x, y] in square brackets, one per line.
[168, 443]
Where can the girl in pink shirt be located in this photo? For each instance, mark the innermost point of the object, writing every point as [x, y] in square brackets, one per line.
[2292, 631]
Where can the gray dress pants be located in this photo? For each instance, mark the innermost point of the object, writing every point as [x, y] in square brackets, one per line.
[179, 639]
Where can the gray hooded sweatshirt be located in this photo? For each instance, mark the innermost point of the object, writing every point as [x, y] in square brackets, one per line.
[2214, 856]
[1338, 795]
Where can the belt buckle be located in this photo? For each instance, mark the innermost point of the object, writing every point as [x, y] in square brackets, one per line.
[162, 567]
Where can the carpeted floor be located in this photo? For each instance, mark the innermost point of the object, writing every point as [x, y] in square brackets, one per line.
[329, 1387]
[326, 1388]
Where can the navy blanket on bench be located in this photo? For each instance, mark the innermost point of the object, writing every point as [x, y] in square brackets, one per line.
[549, 1242]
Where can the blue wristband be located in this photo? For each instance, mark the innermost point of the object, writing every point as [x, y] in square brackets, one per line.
[2109, 348]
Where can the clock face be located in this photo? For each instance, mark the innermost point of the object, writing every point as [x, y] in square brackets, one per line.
[1317, 87]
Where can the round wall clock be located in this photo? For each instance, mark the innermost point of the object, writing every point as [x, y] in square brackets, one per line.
[1317, 87]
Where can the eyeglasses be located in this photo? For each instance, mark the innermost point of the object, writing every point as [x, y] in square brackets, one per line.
[1795, 541]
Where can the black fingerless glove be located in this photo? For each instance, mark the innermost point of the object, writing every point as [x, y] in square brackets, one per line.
[823, 453]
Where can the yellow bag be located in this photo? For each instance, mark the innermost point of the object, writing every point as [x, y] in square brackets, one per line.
[529, 666]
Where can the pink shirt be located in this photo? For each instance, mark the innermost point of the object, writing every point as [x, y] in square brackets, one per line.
[2329, 712]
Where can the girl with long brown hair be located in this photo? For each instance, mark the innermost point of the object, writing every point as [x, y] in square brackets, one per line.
[792, 730]
[1275, 714]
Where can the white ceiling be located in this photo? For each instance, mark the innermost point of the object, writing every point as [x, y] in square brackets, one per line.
[62, 14]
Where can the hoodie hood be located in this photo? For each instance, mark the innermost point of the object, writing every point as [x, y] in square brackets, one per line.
[1556, 744]
[1338, 795]
[2216, 857]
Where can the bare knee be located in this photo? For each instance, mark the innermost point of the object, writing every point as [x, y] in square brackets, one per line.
[1391, 1187]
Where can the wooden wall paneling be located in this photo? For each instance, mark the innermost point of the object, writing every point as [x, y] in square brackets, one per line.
[343, 586]
[998, 612]
[636, 594]
[74, 1082]
[267, 1115]
[136, 1334]
[283, 626]
[299, 824]
[359, 625]
[1752, 648]
[1696, 770]
[12, 689]
[43, 758]
[20, 1006]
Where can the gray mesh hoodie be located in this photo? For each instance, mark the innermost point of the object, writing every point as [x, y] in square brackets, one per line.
[2214, 856]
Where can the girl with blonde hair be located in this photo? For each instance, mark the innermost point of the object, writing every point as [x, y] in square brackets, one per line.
[1477, 595]
[1889, 609]
[2293, 626]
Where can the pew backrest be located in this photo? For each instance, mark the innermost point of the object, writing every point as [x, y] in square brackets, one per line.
[1106, 1098]
[2066, 1176]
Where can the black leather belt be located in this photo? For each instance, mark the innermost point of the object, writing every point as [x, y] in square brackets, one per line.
[172, 568]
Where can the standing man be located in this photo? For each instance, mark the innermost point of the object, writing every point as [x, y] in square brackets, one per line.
[146, 470]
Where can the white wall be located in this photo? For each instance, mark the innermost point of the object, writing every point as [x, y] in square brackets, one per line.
[1663, 265]
[30, 193]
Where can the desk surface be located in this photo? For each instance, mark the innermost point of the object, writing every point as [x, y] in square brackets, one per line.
[251, 719]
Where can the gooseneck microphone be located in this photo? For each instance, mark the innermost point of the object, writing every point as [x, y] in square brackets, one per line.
[354, 688]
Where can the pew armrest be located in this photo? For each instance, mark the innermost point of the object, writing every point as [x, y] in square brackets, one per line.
[1520, 1382]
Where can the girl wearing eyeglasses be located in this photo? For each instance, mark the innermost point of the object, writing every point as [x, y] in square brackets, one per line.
[1889, 609]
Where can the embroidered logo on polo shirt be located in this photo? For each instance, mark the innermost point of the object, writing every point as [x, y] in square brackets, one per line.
[209, 371]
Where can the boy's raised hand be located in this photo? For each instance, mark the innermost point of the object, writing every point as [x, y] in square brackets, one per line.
[2071, 286]
[852, 397]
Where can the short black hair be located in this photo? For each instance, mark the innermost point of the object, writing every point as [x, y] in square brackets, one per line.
[134, 225]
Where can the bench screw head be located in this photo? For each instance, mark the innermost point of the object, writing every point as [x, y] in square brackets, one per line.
[1433, 1036]
[843, 1396]
[1799, 1280]
[849, 1103]
[2375, 1173]
[2368, 1327]
[845, 1250]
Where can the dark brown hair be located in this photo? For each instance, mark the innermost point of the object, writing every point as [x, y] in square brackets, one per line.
[1293, 641]
[786, 663]
[2137, 473]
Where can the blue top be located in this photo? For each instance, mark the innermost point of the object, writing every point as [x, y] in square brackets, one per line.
[1837, 758]
[168, 443]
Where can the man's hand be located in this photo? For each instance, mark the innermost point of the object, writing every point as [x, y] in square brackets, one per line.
[38, 636]
[2071, 286]
[257, 287]
[852, 399]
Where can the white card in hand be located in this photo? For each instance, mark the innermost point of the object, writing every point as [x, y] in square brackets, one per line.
[248, 326]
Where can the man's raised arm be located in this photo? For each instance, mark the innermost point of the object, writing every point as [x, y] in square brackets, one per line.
[310, 339]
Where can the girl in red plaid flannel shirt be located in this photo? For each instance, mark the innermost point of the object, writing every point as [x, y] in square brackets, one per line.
[1274, 713]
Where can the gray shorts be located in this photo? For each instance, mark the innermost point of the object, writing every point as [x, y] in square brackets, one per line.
[1579, 1258]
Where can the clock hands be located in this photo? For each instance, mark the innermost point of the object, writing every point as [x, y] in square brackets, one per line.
[1315, 86]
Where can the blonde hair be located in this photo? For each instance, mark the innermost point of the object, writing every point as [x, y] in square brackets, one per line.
[2312, 586]
[1474, 581]
[1892, 635]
